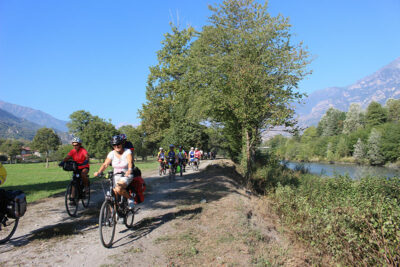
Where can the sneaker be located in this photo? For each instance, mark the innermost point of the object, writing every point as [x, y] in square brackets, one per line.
[131, 204]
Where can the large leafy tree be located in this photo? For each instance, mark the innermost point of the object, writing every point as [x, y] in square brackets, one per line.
[247, 69]
[374, 153]
[393, 108]
[165, 90]
[46, 141]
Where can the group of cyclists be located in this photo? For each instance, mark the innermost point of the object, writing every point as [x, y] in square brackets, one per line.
[172, 159]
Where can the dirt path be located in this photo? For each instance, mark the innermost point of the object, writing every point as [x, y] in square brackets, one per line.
[202, 218]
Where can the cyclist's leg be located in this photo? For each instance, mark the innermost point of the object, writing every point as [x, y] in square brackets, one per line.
[85, 179]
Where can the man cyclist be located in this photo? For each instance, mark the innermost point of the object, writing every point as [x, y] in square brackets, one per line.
[182, 157]
[172, 157]
[191, 155]
[80, 155]
[161, 157]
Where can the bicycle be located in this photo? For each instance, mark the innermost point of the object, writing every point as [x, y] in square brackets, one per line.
[75, 189]
[181, 166]
[12, 207]
[112, 206]
[162, 170]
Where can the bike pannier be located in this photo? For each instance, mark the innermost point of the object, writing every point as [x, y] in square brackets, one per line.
[70, 166]
[16, 203]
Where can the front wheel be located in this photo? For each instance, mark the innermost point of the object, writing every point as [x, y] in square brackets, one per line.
[129, 218]
[71, 200]
[107, 223]
[86, 196]
[8, 226]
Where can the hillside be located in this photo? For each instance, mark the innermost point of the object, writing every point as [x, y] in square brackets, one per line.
[35, 116]
[380, 86]
[14, 127]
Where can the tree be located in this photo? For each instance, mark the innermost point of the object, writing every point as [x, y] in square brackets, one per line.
[331, 123]
[376, 114]
[341, 148]
[137, 136]
[374, 153]
[390, 143]
[46, 141]
[330, 154]
[96, 137]
[12, 148]
[95, 132]
[359, 151]
[165, 91]
[247, 71]
[354, 119]
[393, 108]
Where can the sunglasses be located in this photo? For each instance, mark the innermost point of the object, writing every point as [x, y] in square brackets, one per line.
[76, 145]
[118, 145]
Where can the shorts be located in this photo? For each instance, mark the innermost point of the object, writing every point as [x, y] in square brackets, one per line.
[118, 178]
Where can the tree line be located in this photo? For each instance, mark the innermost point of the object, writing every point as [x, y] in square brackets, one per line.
[370, 136]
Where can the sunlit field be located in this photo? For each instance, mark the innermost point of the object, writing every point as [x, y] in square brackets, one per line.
[38, 182]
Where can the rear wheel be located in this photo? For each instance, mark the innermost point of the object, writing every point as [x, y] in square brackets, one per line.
[107, 223]
[129, 218]
[181, 170]
[71, 200]
[7, 228]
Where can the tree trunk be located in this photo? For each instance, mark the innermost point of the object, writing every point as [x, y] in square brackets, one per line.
[248, 152]
[47, 160]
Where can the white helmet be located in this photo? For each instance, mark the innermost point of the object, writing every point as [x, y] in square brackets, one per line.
[161, 148]
[76, 140]
[192, 148]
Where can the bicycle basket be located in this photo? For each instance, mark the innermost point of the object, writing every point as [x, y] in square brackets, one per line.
[70, 166]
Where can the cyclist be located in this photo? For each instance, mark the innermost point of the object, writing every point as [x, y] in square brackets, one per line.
[191, 155]
[197, 156]
[80, 155]
[172, 157]
[127, 144]
[161, 157]
[182, 157]
[121, 160]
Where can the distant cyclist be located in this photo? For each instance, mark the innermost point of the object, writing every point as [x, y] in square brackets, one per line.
[80, 155]
[197, 156]
[191, 155]
[172, 157]
[182, 157]
[161, 157]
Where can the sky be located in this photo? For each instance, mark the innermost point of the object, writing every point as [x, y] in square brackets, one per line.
[94, 55]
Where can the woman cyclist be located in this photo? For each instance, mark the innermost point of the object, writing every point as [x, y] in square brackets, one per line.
[161, 157]
[121, 160]
[80, 155]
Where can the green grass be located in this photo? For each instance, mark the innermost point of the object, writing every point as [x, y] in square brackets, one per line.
[38, 182]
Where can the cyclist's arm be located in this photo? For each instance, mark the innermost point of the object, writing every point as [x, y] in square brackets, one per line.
[130, 165]
[103, 166]
[68, 157]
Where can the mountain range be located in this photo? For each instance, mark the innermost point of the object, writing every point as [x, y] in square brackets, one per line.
[18, 122]
[379, 87]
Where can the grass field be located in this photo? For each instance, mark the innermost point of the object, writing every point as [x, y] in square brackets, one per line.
[38, 182]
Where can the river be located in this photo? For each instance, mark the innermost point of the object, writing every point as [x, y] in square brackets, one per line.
[354, 171]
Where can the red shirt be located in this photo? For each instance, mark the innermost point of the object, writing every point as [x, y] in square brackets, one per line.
[79, 156]
[197, 154]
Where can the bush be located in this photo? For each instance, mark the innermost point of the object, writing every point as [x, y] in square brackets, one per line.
[356, 222]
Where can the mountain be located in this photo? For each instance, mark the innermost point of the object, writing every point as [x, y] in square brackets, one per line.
[379, 87]
[16, 128]
[35, 116]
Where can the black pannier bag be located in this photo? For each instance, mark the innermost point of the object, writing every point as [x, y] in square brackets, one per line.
[16, 203]
[70, 166]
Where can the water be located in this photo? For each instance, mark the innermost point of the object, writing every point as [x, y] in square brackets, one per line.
[354, 171]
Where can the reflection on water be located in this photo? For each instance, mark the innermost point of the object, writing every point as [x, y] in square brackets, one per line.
[354, 171]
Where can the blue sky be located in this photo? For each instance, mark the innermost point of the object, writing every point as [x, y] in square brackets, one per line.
[63, 56]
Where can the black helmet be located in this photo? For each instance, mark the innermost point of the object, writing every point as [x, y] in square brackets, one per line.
[116, 140]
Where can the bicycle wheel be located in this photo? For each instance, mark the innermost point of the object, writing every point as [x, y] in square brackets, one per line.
[129, 218]
[164, 171]
[7, 228]
[71, 203]
[107, 223]
[86, 196]
[181, 170]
